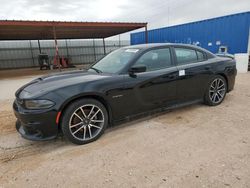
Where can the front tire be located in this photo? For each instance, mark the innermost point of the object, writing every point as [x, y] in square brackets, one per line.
[84, 121]
[216, 91]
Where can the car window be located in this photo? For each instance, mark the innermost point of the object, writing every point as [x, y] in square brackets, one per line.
[155, 59]
[185, 55]
[200, 56]
[115, 61]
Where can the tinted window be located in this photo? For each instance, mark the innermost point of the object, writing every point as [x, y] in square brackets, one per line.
[200, 56]
[155, 59]
[185, 55]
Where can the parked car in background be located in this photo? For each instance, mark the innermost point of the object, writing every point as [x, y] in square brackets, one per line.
[128, 82]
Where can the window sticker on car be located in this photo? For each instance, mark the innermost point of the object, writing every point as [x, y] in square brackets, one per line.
[132, 50]
[182, 73]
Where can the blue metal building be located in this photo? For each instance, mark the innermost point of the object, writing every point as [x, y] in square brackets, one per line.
[231, 31]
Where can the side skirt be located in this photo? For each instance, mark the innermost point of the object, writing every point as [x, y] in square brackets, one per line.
[155, 111]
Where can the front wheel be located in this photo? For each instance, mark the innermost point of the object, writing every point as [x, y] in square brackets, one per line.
[216, 91]
[84, 121]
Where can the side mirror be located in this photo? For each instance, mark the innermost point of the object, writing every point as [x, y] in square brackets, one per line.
[137, 69]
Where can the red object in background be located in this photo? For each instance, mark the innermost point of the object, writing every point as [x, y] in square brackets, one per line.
[60, 62]
[63, 62]
[56, 62]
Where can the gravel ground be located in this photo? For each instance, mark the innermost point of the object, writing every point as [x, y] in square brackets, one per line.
[195, 146]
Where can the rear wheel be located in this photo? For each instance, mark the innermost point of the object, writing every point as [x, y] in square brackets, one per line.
[216, 91]
[84, 121]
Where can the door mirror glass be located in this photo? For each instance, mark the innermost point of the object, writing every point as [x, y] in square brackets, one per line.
[137, 69]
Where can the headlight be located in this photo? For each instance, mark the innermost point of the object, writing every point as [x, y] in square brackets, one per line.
[38, 104]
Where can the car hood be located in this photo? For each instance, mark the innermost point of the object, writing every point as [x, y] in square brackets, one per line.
[52, 82]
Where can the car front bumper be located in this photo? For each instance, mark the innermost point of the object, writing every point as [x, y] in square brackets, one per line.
[36, 125]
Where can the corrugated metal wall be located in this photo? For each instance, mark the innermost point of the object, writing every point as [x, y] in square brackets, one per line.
[231, 31]
[18, 54]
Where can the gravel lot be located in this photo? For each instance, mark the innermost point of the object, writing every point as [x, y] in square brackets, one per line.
[195, 146]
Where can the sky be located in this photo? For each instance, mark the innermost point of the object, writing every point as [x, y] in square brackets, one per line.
[158, 13]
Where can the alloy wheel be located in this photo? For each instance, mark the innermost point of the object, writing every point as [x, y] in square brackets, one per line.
[86, 122]
[217, 90]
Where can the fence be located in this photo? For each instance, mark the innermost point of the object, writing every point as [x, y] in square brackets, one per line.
[20, 54]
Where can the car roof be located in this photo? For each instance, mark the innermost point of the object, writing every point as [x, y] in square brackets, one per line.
[152, 45]
[149, 45]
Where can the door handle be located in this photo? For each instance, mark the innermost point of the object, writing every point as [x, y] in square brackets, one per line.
[172, 76]
[207, 68]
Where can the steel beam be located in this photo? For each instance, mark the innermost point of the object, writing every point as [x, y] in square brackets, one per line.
[39, 46]
[104, 46]
[146, 34]
[57, 53]
[32, 54]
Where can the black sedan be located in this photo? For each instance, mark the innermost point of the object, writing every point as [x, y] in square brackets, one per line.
[128, 82]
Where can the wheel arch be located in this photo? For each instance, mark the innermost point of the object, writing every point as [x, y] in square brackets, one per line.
[225, 77]
[89, 96]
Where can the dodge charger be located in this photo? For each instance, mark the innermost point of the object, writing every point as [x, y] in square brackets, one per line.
[128, 82]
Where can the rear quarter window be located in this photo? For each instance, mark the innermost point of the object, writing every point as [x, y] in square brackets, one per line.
[200, 56]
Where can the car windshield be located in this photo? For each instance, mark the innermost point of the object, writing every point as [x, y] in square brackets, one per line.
[115, 61]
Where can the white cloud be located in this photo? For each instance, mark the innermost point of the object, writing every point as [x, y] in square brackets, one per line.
[158, 13]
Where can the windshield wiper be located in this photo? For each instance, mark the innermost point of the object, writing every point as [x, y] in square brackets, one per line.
[95, 69]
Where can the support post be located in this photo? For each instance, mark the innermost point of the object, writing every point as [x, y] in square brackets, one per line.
[104, 46]
[119, 41]
[32, 54]
[146, 34]
[56, 45]
[94, 49]
[67, 49]
[39, 47]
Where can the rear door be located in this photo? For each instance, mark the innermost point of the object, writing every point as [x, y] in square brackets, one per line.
[194, 73]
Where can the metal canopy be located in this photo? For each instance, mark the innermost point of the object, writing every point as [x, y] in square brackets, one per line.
[38, 30]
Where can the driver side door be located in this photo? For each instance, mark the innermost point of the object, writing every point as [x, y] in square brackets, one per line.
[154, 88]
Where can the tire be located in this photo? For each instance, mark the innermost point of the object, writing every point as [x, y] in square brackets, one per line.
[216, 91]
[84, 121]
